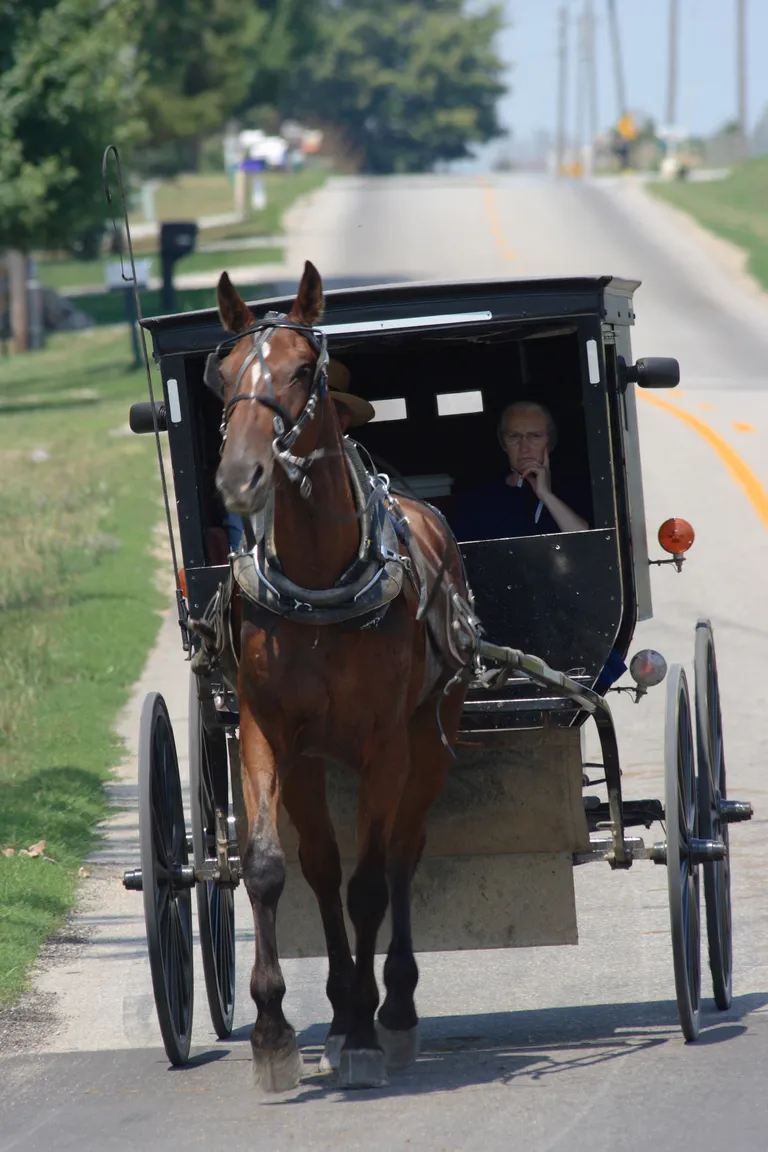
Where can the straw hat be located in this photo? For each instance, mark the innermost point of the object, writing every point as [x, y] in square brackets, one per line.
[360, 411]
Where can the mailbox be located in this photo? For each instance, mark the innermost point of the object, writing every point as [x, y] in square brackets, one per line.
[177, 239]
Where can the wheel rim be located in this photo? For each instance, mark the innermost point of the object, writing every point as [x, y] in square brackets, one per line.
[167, 906]
[215, 905]
[713, 790]
[682, 874]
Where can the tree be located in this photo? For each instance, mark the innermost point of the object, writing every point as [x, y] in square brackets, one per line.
[291, 33]
[67, 89]
[210, 60]
[406, 84]
[200, 58]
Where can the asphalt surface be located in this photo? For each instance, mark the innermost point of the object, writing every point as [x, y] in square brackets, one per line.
[543, 1049]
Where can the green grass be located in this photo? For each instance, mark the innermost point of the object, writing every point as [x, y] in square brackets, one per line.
[79, 611]
[64, 275]
[191, 195]
[109, 307]
[735, 208]
[187, 198]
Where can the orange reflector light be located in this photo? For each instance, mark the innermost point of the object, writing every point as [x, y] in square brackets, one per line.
[183, 582]
[676, 536]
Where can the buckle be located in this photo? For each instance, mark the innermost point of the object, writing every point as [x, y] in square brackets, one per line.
[387, 555]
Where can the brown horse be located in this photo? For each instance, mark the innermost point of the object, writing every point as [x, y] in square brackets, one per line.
[365, 698]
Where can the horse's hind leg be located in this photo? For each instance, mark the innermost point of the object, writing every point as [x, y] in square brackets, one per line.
[362, 1063]
[305, 801]
[430, 762]
[277, 1062]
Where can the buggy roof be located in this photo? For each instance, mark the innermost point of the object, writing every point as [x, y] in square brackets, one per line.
[432, 304]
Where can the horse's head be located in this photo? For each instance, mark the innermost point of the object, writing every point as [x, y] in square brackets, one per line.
[272, 384]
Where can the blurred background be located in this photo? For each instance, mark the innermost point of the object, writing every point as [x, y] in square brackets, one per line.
[226, 112]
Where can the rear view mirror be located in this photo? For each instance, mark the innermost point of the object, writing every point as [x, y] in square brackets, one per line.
[651, 372]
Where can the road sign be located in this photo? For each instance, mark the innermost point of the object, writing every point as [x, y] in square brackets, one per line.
[626, 127]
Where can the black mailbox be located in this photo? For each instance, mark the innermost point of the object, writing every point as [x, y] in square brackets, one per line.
[177, 239]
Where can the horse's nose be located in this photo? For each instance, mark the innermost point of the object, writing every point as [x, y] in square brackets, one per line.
[253, 483]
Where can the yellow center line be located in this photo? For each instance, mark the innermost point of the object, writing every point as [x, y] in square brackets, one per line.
[492, 212]
[739, 470]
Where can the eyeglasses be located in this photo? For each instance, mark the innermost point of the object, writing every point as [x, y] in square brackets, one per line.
[516, 438]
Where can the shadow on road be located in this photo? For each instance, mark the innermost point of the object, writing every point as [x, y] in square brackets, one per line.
[501, 1047]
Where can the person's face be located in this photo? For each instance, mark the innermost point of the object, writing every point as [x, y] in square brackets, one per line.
[525, 438]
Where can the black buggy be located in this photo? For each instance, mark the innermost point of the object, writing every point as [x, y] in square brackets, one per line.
[439, 362]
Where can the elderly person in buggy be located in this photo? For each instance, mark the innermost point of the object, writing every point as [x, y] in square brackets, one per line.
[352, 411]
[523, 503]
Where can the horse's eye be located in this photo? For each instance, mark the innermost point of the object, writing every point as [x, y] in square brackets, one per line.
[302, 374]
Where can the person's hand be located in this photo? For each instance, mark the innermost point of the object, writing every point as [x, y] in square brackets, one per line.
[538, 477]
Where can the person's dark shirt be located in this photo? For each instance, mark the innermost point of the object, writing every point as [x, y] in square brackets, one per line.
[497, 510]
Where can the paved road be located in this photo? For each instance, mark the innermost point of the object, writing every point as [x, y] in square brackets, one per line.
[542, 1049]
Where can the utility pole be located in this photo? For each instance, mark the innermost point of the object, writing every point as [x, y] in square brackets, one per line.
[618, 68]
[589, 20]
[581, 80]
[672, 70]
[741, 73]
[562, 94]
[17, 289]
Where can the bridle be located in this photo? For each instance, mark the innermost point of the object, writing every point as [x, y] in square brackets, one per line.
[287, 430]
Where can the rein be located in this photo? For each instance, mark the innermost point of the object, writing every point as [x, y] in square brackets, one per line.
[287, 430]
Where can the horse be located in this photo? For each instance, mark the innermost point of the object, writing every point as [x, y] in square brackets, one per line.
[382, 700]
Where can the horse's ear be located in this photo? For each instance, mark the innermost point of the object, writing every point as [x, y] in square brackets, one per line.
[308, 305]
[235, 313]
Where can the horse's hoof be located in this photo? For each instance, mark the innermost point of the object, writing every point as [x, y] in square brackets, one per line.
[362, 1068]
[329, 1061]
[400, 1048]
[277, 1071]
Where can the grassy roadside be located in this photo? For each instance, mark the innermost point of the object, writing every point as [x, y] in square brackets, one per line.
[186, 198]
[109, 307]
[734, 208]
[66, 274]
[79, 611]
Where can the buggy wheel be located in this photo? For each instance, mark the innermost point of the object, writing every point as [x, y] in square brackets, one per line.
[712, 791]
[208, 777]
[682, 872]
[166, 878]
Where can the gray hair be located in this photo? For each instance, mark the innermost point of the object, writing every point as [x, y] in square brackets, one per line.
[521, 405]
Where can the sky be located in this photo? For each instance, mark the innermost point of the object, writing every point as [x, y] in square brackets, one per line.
[706, 63]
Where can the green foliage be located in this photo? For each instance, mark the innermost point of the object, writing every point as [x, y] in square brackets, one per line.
[200, 58]
[406, 84]
[291, 34]
[68, 83]
[79, 606]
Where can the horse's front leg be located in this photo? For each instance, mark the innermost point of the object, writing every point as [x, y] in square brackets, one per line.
[277, 1063]
[430, 761]
[305, 801]
[362, 1063]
